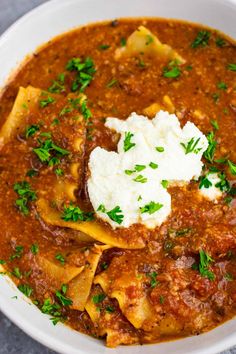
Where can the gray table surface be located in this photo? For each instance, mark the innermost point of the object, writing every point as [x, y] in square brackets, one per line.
[12, 339]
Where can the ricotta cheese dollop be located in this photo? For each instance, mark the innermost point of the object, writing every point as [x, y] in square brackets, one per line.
[130, 186]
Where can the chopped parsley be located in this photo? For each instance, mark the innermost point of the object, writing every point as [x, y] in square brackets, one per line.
[52, 309]
[101, 208]
[210, 152]
[153, 165]
[17, 273]
[85, 71]
[153, 280]
[162, 299]
[151, 208]
[220, 42]
[61, 295]
[203, 266]
[140, 179]
[123, 42]
[204, 182]
[34, 248]
[149, 39]
[216, 97]
[110, 309]
[164, 183]
[116, 215]
[59, 172]
[172, 72]
[160, 149]
[60, 258]
[46, 149]
[202, 39]
[223, 184]
[97, 299]
[45, 102]
[222, 85]
[31, 130]
[127, 141]
[74, 213]
[18, 253]
[26, 195]
[25, 289]
[58, 85]
[191, 146]
[31, 173]
[139, 168]
[104, 46]
[104, 265]
[112, 83]
[2, 262]
[215, 124]
[232, 167]
[231, 67]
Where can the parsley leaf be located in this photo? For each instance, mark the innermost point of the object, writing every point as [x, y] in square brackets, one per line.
[25, 289]
[116, 215]
[18, 253]
[85, 71]
[34, 248]
[204, 182]
[65, 301]
[104, 46]
[74, 213]
[173, 73]
[223, 184]
[140, 179]
[215, 124]
[202, 39]
[210, 152]
[58, 84]
[45, 102]
[191, 146]
[26, 195]
[31, 130]
[231, 67]
[123, 42]
[232, 167]
[127, 141]
[98, 298]
[153, 280]
[112, 83]
[60, 258]
[151, 208]
[222, 85]
[203, 265]
[220, 42]
[164, 183]
[46, 149]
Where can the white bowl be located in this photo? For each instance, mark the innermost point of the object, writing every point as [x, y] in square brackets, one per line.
[23, 37]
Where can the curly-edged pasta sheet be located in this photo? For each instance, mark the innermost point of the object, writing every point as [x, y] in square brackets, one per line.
[144, 41]
[91, 229]
[108, 320]
[80, 286]
[26, 100]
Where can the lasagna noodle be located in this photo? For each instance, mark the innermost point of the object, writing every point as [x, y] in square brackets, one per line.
[90, 229]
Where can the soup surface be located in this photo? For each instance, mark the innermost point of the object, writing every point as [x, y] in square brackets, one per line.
[126, 284]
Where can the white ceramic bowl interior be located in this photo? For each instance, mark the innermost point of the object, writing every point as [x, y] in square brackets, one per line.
[24, 37]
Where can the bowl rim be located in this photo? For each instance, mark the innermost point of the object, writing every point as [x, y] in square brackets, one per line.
[41, 336]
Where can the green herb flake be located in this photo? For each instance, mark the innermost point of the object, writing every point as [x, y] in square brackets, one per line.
[74, 213]
[151, 208]
[34, 248]
[153, 165]
[17, 273]
[58, 85]
[31, 130]
[85, 71]
[220, 42]
[204, 182]
[164, 183]
[215, 124]
[153, 280]
[104, 47]
[113, 82]
[139, 168]
[216, 97]
[160, 149]
[64, 300]
[232, 167]
[162, 299]
[222, 85]
[203, 266]
[149, 39]
[210, 152]
[116, 215]
[231, 67]
[123, 42]
[127, 141]
[97, 299]
[25, 289]
[101, 208]
[104, 265]
[172, 73]
[59, 257]
[2, 262]
[31, 173]
[59, 172]
[18, 253]
[110, 309]
[202, 39]
[45, 102]
[191, 146]
[140, 179]
[46, 149]
[26, 195]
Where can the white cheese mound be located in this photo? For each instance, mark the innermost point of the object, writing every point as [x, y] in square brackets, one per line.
[110, 186]
[212, 193]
